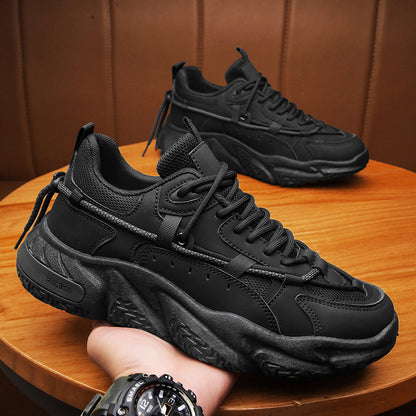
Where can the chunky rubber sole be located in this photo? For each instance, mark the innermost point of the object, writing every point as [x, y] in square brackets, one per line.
[126, 294]
[271, 169]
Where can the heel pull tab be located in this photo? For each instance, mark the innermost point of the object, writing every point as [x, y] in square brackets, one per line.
[84, 132]
[176, 68]
[243, 53]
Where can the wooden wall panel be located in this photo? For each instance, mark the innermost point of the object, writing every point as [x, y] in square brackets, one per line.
[148, 38]
[66, 57]
[328, 59]
[232, 23]
[16, 148]
[390, 118]
[67, 62]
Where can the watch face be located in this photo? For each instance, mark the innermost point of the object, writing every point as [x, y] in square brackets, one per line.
[162, 399]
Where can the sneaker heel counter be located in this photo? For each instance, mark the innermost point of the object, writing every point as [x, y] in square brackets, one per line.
[76, 228]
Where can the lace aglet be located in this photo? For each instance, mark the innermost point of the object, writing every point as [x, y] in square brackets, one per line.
[22, 236]
[191, 127]
[147, 146]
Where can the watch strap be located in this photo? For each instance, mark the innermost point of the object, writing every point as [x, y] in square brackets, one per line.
[105, 405]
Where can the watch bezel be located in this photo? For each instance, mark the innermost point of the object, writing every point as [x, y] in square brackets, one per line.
[168, 385]
[145, 381]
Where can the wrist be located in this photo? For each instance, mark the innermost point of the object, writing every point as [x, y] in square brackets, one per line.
[210, 384]
[124, 351]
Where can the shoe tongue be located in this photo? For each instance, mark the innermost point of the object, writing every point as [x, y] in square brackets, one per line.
[188, 152]
[242, 68]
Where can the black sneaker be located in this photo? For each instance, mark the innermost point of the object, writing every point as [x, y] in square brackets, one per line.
[255, 130]
[189, 257]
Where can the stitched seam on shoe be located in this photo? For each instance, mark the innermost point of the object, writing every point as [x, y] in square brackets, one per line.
[270, 316]
[183, 204]
[341, 306]
[93, 247]
[229, 242]
[316, 324]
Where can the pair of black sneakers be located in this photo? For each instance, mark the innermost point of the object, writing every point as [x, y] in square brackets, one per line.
[189, 257]
[255, 130]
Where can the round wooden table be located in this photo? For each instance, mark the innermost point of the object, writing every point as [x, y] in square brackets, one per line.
[366, 224]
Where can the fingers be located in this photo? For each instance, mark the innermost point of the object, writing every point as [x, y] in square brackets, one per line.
[97, 323]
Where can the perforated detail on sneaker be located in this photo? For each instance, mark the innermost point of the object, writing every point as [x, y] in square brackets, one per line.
[177, 157]
[85, 177]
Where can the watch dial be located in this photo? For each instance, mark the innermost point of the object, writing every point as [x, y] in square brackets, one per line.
[163, 400]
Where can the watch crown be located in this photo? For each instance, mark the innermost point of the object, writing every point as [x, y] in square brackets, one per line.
[192, 395]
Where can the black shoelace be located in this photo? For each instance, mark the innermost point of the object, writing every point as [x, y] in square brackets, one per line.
[277, 102]
[257, 219]
[41, 205]
[160, 119]
[235, 201]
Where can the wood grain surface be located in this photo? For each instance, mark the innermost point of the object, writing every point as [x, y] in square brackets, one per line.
[365, 224]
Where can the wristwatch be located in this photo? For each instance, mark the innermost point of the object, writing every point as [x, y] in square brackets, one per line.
[144, 395]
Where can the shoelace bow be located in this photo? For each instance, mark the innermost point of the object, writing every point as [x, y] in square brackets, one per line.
[278, 103]
[250, 215]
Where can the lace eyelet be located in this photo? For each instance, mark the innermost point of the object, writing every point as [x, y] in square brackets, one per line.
[218, 216]
[180, 193]
[180, 240]
[244, 117]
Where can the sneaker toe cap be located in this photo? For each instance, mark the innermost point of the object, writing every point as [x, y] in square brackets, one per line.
[339, 147]
[351, 319]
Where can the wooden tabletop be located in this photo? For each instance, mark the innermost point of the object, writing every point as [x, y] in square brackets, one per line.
[365, 224]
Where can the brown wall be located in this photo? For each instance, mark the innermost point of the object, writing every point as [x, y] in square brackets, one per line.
[66, 62]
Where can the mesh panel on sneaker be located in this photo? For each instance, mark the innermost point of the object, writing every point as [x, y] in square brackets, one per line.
[261, 285]
[177, 157]
[85, 177]
[336, 295]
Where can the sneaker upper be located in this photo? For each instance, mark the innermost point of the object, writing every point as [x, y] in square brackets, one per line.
[248, 108]
[198, 229]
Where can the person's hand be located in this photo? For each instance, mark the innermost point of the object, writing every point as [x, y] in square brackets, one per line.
[123, 351]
